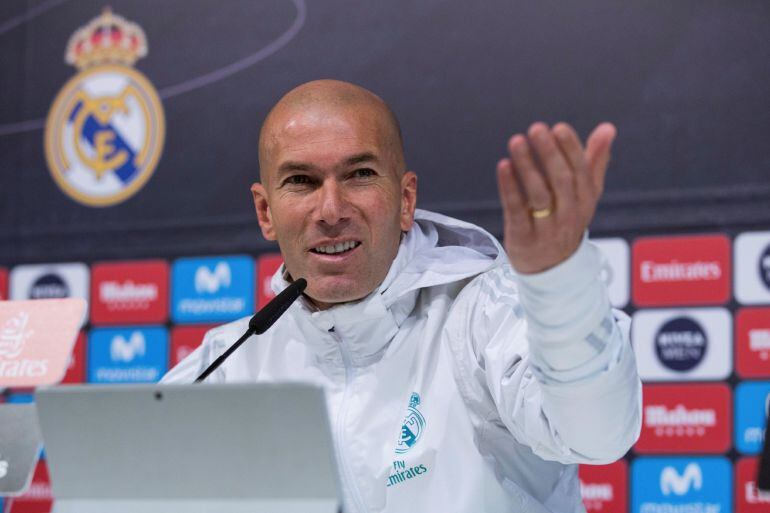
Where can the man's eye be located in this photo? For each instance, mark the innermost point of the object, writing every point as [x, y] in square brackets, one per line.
[297, 180]
[364, 172]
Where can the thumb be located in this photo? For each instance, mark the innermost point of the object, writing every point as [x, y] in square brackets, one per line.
[598, 153]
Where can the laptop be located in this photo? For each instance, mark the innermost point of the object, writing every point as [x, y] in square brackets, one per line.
[230, 448]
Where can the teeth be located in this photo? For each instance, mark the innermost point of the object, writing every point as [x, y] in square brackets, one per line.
[337, 248]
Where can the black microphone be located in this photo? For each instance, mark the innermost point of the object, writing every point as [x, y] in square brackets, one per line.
[261, 321]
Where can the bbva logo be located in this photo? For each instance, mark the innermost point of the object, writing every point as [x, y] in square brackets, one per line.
[672, 482]
[122, 350]
[210, 282]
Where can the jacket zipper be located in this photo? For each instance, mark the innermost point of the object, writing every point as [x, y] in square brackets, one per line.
[341, 417]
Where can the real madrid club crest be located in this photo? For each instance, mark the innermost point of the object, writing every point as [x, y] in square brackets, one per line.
[413, 427]
[104, 133]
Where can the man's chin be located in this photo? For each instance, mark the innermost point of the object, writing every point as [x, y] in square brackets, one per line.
[326, 295]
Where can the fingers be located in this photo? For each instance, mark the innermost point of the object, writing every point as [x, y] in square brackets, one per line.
[536, 189]
[572, 148]
[561, 177]
[598, 154]
[550, 169]
[515, 208]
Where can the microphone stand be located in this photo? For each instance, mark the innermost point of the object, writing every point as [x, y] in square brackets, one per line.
[261, 322]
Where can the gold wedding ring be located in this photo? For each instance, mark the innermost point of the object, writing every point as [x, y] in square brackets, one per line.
[540, 213]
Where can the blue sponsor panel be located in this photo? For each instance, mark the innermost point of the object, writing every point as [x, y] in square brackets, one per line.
[752, 400]
[16, 398]
[212, 289]
[681, 485]
[127, 355]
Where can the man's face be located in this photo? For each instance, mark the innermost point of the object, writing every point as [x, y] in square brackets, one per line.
[334, 196]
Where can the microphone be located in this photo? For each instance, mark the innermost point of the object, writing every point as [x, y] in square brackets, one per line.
[261, 321]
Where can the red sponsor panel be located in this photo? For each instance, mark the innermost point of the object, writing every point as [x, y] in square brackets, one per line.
[692, 270]
[3, 283]
[267, 265]
[38, 498]
[184, 340]
[748, 498]
[76, 370]
[752, 342]
[680, 419]
[129, 292]
[605, 487]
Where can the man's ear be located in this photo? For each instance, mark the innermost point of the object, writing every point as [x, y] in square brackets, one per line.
[264, 217]
[408, 200]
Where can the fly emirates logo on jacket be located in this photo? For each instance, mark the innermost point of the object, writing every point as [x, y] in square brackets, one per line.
[412, 431]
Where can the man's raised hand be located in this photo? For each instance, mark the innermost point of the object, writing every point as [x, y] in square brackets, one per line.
[549, 187]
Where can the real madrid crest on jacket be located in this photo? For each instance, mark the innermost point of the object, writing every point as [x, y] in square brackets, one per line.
[105, 130]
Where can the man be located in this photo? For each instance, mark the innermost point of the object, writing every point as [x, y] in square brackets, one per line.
[454, 384]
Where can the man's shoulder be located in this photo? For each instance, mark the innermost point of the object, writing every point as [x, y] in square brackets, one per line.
[499, 281]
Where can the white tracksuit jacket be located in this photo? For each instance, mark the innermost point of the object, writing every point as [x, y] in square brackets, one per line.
[456, 386]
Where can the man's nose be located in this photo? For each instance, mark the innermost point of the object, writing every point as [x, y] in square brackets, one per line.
[334, 206]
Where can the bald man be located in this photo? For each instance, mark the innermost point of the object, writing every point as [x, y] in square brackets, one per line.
[460, 375]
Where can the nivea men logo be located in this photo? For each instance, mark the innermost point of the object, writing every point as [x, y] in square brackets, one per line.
[122, 350]
[672, 482]
[752, 268]
[210, 281]
[49, 286]
[50, 281]
[681, 344]
[764, 266]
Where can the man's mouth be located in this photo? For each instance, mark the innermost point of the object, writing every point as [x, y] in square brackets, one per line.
[336, 249]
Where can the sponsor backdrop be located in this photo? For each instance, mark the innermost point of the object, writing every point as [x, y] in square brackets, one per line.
[126, 167]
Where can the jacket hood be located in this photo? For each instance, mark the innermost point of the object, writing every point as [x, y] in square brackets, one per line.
[437, 250]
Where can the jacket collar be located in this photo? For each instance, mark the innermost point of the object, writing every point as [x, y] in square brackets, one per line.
[437, 250]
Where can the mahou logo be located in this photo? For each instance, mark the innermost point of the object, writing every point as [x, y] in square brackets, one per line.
[752, 338]
[604, 488]
[692, 270]
[749, 498]
[685, 418]
[129, 292]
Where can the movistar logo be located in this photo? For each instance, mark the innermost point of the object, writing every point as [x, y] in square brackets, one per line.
[122, 350]
[672, 482]
[208, 281]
